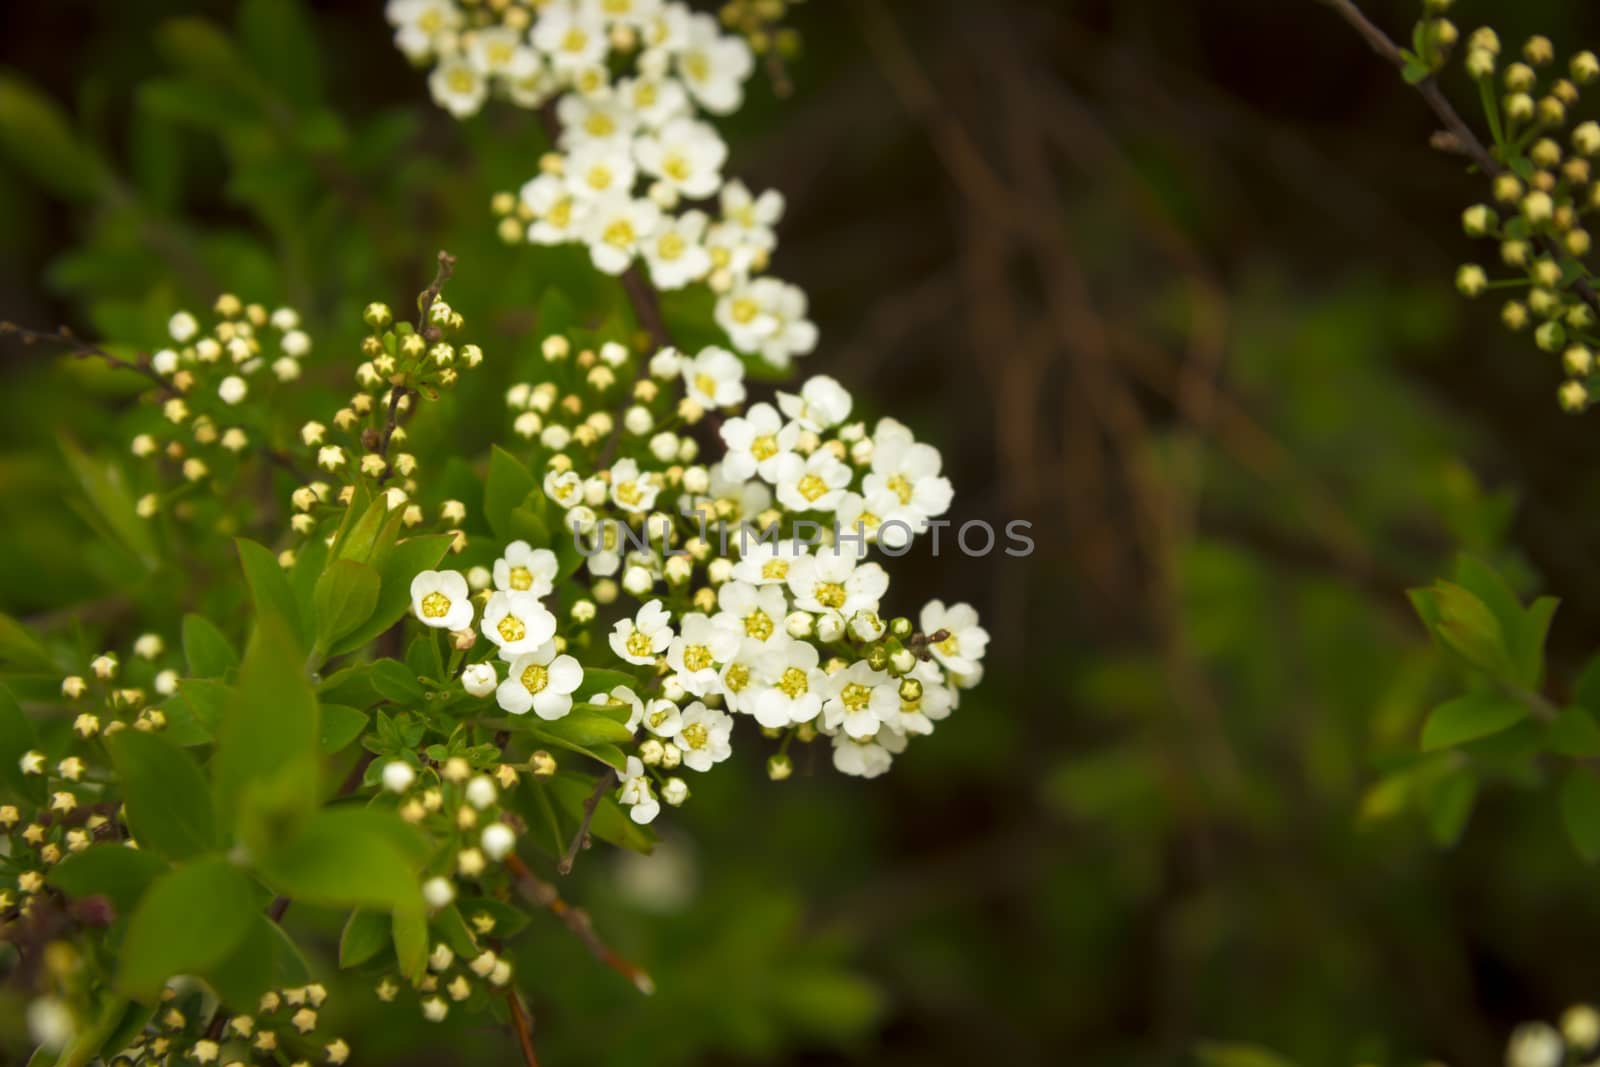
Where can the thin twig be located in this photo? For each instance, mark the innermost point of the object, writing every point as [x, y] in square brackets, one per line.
[428, 332]
[523, 1025]
[81, 349]
[581, 838]
[1462, 140]
[540, 892]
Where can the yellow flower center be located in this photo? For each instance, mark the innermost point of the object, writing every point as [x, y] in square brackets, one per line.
[575, 40]
[856, 696]
[706, 384]
[758, 624]
[743, 310]
[599, 124]
[619, 233]
[431, 21]
[628, 493]
[645, 95]
[535, 678]
[830, 594]
[599, 177]
[500, 52]
[462, 80]
[764, 447]
[868, 520]
[737, 678]
[901, 487]
[696, 735]
[659, 717]
[511, 629]
[435, 606]
[811, 487]
[950, 646]
[521, 578]
[775, 570]
[672, 245]
[639, 644]
[560, 213]
[793, 683]
[697, 66]
[696, 657]
[675, 167]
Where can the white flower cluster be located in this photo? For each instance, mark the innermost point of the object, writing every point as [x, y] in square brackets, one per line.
[207, 374]
[745, 617]
[631, 148]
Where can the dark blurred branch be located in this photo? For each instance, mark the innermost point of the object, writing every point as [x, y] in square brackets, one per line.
[1462, 140]
[580, 840]
[541, 893]
[523, 1025]
[81, 349]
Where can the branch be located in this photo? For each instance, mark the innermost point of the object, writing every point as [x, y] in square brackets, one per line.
[537, 891]
[523, 1025]
[428, 332]
[581, 838]
[1461, 140]
[81, 349]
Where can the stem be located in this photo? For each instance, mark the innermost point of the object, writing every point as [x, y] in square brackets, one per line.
[523, 1025]
[81, 349]
[537, 891]
[1465, 139]
[581, 838]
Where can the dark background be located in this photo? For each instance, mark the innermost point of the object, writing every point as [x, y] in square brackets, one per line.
[1172, 282]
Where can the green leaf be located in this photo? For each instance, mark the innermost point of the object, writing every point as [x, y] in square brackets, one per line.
[509, 920]
[349, 857]
[206, 649]
[265, 959]
[189, 921]
[1575, 733]
[1448, 804]
[18, 648]
[36, 136]
[281, 43]
[583, 730]
[609, 754]
[1468, 718]
[346, 596]
[1230, 1054]
[366, 933]
[395, 682]
[17, 738]
[169, 804]
[1468, 628]
[341, 725]
[111, 503]
[404, 562]
[269, 744]
[269, 586]
[453, 929]
[114, 871]
[599, 681]
[1580, 810]
[410, 930]
[506, 487]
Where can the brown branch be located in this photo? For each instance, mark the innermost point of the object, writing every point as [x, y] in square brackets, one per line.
[523, 1025]
[1461, 139]
[81, 349]
[580, 840]
[538, 891]
[447, 267]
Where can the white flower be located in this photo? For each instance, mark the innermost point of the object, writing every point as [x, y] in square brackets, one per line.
[699, 648]
[714, 67]
[746, 228]
[540, 680]
[565, 488]
[675, 253]
[742, 677]
[821, 404]
[438, 892]
[795, 695]
[687, 154]
[51, 1023]
[458, 87]
[757, 443]
[232, 390]
[607, 121]
[1535, 1045]
[661, 717]
[499, 52]
[623, 697]
[636, 793]
[763, 563]
[441, 599]
[654, 101]
[962, 650]
[296, 343]
[768, 316]
[182, 327]
[526, 569]
[644, 637]
[517, 622]
[833, 579]
[614, 228]
[714, 378]
[497, 840]
[597, 169]
[860, 700]
[479, 679]
[398, 776]
[703, 737]
[558, 216]
[419, 24]
[630, 489]
[866, 757]
[755, 612]
[815, 483]
[635, 13]
[910, 471]
[572, 39]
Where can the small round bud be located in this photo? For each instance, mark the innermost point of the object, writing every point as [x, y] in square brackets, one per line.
[398, 776]
[1514, 315]
[481, 792]
[1550, 336]
[377, 315]
[438, 892]
[1572, 396]
[1519, 78]
[779, 767]
[1479, 219]
[1538, 51]
[479, 679]
[497, 840]
[1578, 360]
[1585, 68]
[1520, 107]
[675, 791]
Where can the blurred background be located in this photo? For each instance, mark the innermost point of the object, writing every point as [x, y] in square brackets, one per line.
[1171, 281]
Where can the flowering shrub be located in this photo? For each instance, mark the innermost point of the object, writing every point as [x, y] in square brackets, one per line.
[456, 670]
